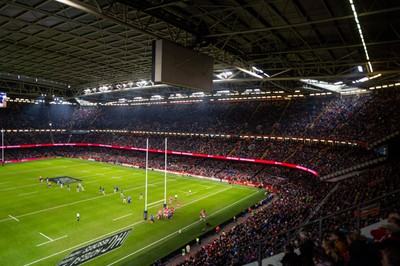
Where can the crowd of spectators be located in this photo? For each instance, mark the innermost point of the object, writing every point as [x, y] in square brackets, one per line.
[321, 157]
[332, 117]
[324, 117]
[297, 197]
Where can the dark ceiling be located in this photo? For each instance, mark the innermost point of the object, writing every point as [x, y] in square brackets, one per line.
[68, 48]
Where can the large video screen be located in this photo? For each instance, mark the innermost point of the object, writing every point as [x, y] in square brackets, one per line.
[3, 98]
[182, 67]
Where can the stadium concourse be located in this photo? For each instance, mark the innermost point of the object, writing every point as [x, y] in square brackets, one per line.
[351, 140]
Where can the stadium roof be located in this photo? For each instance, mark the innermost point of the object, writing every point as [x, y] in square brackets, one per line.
[102, 50]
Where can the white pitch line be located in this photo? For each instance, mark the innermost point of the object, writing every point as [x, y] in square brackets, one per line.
[69, 204]
[11, 188]
[47, 242]
[4, 183]
[24, 194]
[12, 217]
[126, 227]
[122, 217]
[115, 177]
[174, 233]
[191, 193]
[155, 202]
[84, 243]
[91, 182]
[46, 236]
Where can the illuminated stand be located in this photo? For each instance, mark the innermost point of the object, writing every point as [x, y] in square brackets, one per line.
[200, 155]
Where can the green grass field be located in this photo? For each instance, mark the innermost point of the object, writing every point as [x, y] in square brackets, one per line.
[38, 225]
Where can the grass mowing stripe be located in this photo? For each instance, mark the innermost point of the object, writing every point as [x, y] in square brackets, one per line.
[65, 205]
[12, 188]
[126, 227]
[61, 206]
[101, 212]
[90, 182]
[84, 243]
[56, 207]
[30, 170]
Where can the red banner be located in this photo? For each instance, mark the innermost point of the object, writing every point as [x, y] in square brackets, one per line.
[211, 156]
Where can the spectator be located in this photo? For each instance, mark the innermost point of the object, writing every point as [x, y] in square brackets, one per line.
[360, 252]
[290, 258]
[340, 241]
[306, 248]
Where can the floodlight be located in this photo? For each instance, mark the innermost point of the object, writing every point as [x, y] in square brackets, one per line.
[250, 72]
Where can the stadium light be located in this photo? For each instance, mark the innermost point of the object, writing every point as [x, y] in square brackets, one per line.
[103, 88]
[141, 83]
[225, 75]
[156, 97]
[260, 71]
[366, 78]
[198, 94]
[353, 8]
[250, 73]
